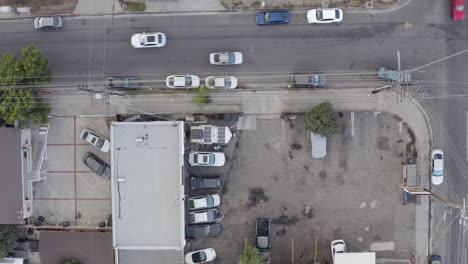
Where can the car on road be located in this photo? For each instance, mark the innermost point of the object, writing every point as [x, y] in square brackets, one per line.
[183, 81]
[200, 256]
[273, 17]
[437, 166]
[209, 216]
[202, 231]
[208, 159]
[148, 40]
[95, 140]
[97, 165]
[324, 16]
[434, 259]
[200, 183]
[310, 80]
[458, 9]
[52, 22]
[204, 202]
[226, 58]
[122, 82]
[221, 82]
[337, 246]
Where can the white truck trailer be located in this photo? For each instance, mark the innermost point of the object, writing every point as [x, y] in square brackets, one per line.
[355, 258]
[207, 134]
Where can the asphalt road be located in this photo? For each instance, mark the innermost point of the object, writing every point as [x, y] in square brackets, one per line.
[88, 49]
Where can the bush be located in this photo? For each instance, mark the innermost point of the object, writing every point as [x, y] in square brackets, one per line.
[251, 255]
[322, 120]
[7, 239]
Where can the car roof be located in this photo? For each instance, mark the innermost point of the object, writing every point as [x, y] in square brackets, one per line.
[328, 13]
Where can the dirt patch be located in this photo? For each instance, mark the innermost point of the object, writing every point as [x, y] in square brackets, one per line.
[44, 7]
[307, 212]
[257, 196]
[281, 232]
[285, 220]
[410, 145]
[343, 163]
[382, 143]
[290, 155]
[306, 168]
[267, 146]
[399, 141]
[296, 146]
[322, 174]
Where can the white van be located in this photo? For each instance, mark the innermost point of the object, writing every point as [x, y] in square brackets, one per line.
[319, 145]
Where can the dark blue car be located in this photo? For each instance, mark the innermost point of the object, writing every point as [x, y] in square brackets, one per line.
[273, 17]
[435, 259]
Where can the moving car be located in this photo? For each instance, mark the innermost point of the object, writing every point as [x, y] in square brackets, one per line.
[204, 202]
[183, 81]
[199, 183]
[209, 159]
[124, 82]
[226, 58]
[273, 17]
[200, 256]
[437, 166]
[53, 22]
[434, 259]
[324, 16]
[458, 9]
[311, 80]
[221, 82]
[95, 140]
[97, 165]
[337, 246]
[394, 76]
[202, 231]
[148, 40]
[209, 216]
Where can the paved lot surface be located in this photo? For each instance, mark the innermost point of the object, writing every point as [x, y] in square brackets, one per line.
[351, 194]
[71, 192]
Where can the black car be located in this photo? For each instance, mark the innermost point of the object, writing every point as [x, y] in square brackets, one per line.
[97, 165]
[198, 183]
[201, 231]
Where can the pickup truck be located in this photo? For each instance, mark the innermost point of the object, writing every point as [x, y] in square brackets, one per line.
[123, 82]
[263, 237]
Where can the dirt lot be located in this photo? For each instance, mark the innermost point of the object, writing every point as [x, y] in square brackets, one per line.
[44, 7]
[351, 194]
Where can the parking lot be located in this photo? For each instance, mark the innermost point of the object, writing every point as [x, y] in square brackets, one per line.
[70, 191]
[351, 194]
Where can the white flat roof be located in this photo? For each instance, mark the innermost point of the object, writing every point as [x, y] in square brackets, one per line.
[147, 160]
[355, 258]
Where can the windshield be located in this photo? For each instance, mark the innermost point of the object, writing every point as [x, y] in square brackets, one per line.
[211, 159]
[319, 14]
[231, 58]
[459, 8]
[227, 82]
[209, 201]
[188, 81]
[199, 257]
[100, 143]
[267, 17]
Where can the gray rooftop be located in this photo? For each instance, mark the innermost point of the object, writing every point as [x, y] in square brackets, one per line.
[11, 187]
[147, 205]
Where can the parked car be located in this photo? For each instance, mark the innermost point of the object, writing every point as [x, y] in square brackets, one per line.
[209, 159]
[221, 82]
[209, 216]
[97, 165]
[200, 256]
[183, 81]
[434, 259]
[311, 80]
[337, 246]
[202, 231]
[324, 16]
[204, 202]
[437, 166]
[226, 58]
[148, 40]
[123, 82]
[273, 17]
[43, 23]
[319, 145]
[199, 183]
[95, 140]
[458, 9]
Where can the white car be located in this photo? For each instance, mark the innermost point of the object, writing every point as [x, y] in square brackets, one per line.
[226, 58]
[94, 139]
[437, 166]
[221, 82]
[324, 16]
[148, 40]
[183, 81]
[210, 159]
[209, 216]
[42, 23]
[337, 246]
[204, 202]
[200, 256]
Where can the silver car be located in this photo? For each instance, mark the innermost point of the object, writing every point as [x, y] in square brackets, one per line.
[205, 217]
[226, 58]
[43, 23]
[183, 81]
[221, 82]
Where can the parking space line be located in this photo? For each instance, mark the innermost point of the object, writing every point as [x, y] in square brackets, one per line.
[245, 242]
[74, 168]
[69, 199]
[292, 250]
[66, 144]
[352, 123]
[69, 172]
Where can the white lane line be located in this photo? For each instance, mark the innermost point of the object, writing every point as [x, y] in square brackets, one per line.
[352, 124]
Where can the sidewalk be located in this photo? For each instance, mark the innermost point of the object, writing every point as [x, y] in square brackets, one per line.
[88, 7]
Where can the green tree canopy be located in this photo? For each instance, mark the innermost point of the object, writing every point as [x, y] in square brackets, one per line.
[36, 67]
[322, 120]
[72, 261]
[251, 255]
[11, 70]
[7, 239]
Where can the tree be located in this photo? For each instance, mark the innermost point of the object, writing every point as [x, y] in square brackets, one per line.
[23, 105]
[7, 239]
[251, 255]
[202, 96]
[36, 67]
[72, 261]
[322, 120]
[11, 70]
